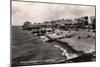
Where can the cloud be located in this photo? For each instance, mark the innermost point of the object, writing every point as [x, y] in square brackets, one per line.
[39, 12]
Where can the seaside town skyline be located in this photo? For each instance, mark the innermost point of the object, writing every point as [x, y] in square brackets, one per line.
[40, 12]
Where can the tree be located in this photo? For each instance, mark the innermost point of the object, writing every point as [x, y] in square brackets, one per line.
[26, 25]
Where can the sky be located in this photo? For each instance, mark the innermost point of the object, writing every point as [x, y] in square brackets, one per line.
[39, 12]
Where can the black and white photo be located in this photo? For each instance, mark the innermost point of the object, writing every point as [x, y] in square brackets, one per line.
[52, 33]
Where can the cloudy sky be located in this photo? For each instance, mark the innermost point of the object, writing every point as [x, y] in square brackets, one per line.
[39, 12]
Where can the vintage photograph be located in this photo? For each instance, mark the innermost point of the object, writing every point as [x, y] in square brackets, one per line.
[52, 33]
